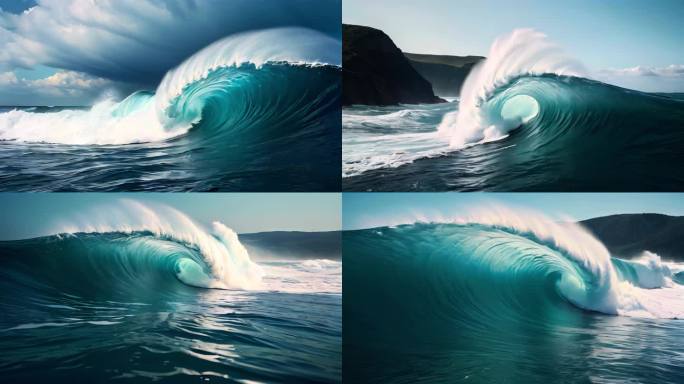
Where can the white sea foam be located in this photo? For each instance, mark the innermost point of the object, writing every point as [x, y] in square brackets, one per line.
[303, 276]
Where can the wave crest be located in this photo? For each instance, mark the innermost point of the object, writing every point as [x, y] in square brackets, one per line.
[227, 260]
[520, 53]
[513, 263]
[183, 94]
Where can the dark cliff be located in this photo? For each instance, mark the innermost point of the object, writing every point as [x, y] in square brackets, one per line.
[376, 72]
[628, 235]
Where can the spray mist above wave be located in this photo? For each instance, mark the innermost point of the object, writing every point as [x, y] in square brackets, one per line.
[517, 243]
[522, 52]
[169, 112]
[227, 260]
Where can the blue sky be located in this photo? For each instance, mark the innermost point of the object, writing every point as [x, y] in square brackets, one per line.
[35, 214]
[16, 6]
[363, 210]
[606, 35]
[73, 52]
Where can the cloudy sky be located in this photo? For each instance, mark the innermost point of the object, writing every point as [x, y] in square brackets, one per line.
[632, 43]
[72, 52]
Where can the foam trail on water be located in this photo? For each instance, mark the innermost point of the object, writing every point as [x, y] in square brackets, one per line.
[101, 125]
[304, 276]
[227, 258]
[522, 52]
[146, 117]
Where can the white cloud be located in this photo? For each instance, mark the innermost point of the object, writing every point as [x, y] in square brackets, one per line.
[71, 80]
[63, 87]
[669, 78]
[672, 70]
[8, 78]
[139, 40]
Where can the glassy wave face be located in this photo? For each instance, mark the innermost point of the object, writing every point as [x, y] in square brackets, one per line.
[256, 111]
[527, 119]
[164, 299]
[506, 297]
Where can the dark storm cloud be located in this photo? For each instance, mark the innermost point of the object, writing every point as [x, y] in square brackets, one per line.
[139, 40]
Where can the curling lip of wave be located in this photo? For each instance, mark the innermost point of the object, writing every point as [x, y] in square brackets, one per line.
[226, 257]
[522, 52]
[295, 46]
[146, 117]
[596, 281]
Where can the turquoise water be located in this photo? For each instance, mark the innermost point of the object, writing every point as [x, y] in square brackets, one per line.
[491, 303]
[130, 307]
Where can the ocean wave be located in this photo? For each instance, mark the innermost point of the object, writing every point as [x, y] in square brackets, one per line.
[135, 247]
[524, 52]
[514, 265]
[227, 85]
[129, 240]
[527, 110]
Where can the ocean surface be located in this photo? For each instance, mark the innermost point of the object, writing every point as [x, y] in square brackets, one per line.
[168, 302]
[507, 298]
[527, 119]
[257, 111]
